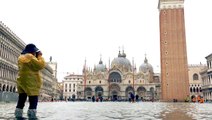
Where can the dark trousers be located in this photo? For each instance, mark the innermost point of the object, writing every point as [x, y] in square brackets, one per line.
[33, 101]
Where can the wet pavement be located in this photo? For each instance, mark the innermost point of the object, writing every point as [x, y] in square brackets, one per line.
[114, 111]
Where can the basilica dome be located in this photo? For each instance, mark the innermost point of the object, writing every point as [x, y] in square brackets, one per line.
[100, 67]
[146, 67]
[122, 62]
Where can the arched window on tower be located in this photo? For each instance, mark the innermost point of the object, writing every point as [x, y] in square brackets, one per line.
[195, 77]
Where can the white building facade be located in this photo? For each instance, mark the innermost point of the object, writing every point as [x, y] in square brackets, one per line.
[70, 86]
[207, 79]
[55, 84]
[195, 79]
[10, 48]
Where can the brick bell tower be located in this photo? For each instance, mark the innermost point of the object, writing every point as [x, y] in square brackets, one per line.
[174, 66]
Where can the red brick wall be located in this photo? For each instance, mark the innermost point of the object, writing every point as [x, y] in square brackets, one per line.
[174, 68]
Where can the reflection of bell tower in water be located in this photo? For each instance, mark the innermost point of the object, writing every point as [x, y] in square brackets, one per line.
[174, 68]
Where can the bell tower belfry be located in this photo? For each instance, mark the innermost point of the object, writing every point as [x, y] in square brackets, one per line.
[173, 54]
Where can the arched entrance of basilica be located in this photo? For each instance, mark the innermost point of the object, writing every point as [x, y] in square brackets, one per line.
[114, 88]
[114, 92]
[114, 95]
[152, 93]
[88, 93]
[129, 90]
[99, 91]
[141, 91]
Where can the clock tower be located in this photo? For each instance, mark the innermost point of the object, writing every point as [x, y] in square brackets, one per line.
[173, 54]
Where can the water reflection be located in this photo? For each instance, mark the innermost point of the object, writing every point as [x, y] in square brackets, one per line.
[178, 111]
[114, 111]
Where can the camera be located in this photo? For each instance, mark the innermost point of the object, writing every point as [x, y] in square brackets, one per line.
[37, 53]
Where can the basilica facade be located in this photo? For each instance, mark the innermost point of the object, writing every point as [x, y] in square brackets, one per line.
[119, 79]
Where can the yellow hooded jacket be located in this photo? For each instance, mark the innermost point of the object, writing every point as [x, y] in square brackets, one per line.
[29, 79]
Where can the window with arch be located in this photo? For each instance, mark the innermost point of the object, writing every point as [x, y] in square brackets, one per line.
[3, 88]
[115, 77]
[191, 90]
[14, 89]
[7, 88]
[195, 77]
[194, 90]
[11, 88]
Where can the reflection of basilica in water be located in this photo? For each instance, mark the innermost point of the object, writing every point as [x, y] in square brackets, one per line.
[121, 78]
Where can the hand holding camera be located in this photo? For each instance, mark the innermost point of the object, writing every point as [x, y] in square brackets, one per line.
[39, 53]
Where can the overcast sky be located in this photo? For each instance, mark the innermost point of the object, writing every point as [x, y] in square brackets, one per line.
[74, 30]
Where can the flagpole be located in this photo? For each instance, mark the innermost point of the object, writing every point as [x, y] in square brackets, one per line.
[85, 78]
[133, 74]
[108, 80]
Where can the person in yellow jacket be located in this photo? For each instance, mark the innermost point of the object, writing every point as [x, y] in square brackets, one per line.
[29, 81]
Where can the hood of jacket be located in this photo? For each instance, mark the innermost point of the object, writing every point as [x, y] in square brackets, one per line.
[25, 58]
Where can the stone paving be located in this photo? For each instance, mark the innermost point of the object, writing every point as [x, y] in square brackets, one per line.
[113, 111]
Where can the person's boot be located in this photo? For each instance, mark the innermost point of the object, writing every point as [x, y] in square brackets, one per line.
[31, 113]
[18, 113]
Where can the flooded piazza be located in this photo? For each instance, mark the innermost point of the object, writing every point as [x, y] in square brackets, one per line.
[114, 111]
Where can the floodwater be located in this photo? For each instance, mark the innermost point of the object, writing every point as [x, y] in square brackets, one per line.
[114, 111]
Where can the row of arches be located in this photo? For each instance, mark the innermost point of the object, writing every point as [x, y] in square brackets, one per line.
[115, 92]
[8, 71]
[8, 88]
[207, 80]
[9, 50]
[195, 89]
